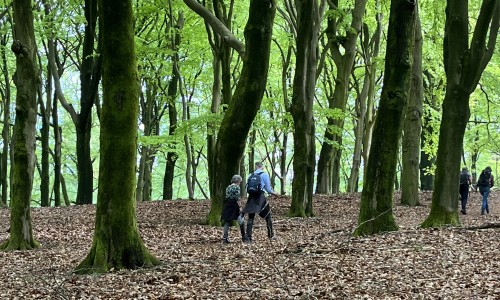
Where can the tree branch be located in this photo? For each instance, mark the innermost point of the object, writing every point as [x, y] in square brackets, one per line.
[217, 26]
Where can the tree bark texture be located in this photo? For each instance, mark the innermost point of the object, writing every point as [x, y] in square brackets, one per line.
[247, 99]
[413, 127]
[304, 83]
[26, 80]
[378, 187]
[117, 243]
[464, 66]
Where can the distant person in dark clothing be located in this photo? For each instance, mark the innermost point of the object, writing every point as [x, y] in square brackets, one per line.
[465, 182]
[485, 183]
[257, 202]
[231, 209]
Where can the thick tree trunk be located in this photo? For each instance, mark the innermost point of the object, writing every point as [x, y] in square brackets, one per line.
[117, 243]
[413, 127]
[26, 80]
[247, 98]
[304, 83]
[463, 66]
[376, 200]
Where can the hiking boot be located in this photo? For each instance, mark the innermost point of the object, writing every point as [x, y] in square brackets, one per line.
[247, 240]
[463, 212]
[225, 241]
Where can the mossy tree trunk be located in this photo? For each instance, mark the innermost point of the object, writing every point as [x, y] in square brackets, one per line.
[245, 103]
[117, 243]
[309, 15]
[376, 199]
[26, 80]
[413, 127]
[464, 66]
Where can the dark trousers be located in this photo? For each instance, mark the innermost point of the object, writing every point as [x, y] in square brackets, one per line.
[464, 194]
[269, 223]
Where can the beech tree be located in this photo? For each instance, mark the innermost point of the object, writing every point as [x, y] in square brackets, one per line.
[378, 188]
[117, 243]
[247, 97]
[26, 79]
[309, 15]
[329, 160]
[464, 63]
[413, 127]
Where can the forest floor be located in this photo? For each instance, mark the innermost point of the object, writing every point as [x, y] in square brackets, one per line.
[313, 258]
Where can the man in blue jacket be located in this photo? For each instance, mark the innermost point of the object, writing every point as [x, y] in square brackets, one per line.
[257, 202]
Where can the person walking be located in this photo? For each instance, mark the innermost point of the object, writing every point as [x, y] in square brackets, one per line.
[465, 182]
[231, 209]
[258, 183]
[485, 183]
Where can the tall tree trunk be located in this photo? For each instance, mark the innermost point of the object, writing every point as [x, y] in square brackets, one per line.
[45, 111]
[246, 101]
[26, 80]
[378, 187]
[370, 105]
[413, 127]
[328, 180]
[90, 75]
[352, 185]
[172, 115]
[309, 16]
[117, 243]
[464, 67]
[6, 124]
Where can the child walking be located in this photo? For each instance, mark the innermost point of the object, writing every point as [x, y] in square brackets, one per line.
[231, 208]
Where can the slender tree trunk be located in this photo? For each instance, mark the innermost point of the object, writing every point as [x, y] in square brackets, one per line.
[413, 127]
[45, 111]
[90, 75]
[6, 124]
[328, 180]
[117, 243]
[370, 105]
[464, 67]
[352, 185]
[378, 187]
[65, 192]
[26, 80]
[171, 155]
[57, 155]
